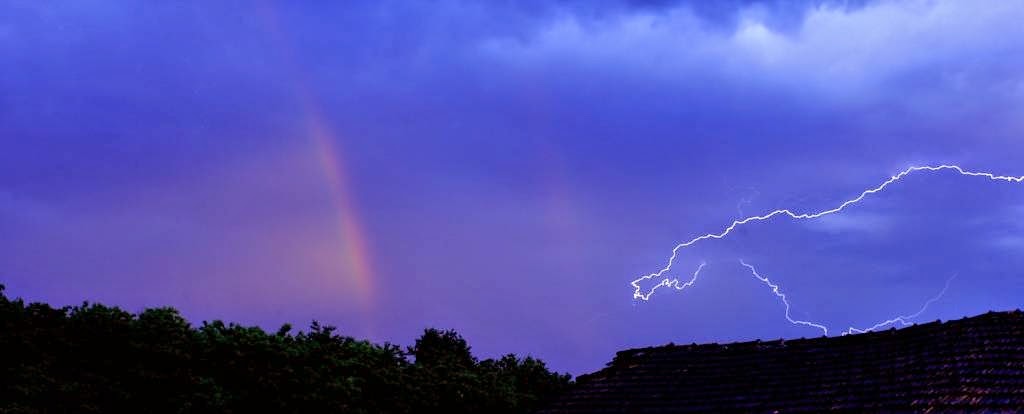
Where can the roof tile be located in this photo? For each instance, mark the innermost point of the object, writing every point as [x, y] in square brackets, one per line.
[971, 364]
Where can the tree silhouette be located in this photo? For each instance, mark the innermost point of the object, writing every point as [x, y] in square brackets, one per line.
[97, 359]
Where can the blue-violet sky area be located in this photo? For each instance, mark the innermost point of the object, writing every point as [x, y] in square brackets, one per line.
[506, 168]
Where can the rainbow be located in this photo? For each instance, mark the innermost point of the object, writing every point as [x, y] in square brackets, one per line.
[354, 243]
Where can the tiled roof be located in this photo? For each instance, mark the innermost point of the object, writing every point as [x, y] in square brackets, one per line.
[972, 364]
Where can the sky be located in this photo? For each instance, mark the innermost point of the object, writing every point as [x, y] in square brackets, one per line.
[506, 169]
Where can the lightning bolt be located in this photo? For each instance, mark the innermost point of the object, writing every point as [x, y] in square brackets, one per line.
[782, 296]
[675, 282]
[903, 320]
[638, 292]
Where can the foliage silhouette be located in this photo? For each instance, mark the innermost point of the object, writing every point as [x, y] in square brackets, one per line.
[98, 359]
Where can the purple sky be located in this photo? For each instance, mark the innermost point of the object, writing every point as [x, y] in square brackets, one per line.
[507, 168]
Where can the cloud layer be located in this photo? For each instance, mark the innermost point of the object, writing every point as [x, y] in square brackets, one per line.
[514, 165]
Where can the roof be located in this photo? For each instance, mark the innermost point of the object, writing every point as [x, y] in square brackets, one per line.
[971, 364]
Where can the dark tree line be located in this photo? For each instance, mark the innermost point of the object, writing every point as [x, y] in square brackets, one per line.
[98, 359]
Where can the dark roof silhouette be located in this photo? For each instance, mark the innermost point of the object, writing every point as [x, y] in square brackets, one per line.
[974, 364]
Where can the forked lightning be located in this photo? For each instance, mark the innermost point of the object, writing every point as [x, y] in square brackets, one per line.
[639, 293]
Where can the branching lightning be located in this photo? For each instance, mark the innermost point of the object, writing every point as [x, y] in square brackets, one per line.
[639, 293]
[675, 282]
[903, 320]
[782, 297]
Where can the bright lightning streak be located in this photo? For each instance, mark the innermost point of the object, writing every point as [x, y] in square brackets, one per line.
[638, 291]
[903, 320]
[675, 282]
[782, 296]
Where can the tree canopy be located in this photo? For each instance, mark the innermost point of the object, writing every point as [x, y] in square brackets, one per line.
[98, 359]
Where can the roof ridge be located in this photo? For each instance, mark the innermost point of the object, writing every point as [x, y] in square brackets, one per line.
[974, 363]
[634, 352]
